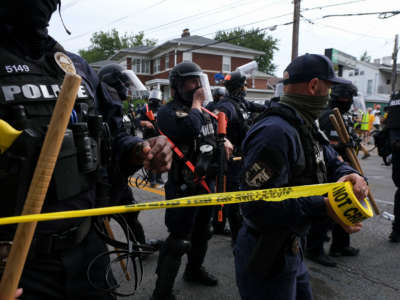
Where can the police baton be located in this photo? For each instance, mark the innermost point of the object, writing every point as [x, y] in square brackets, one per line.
[338, 124]
[39, 184]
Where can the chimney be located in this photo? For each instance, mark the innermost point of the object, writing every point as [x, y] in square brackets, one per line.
[129, 63]
[387, 60]
[377, 61]
[185, 33]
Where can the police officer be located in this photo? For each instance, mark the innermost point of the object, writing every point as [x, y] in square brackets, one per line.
[192, 131]
[61, 250]
[341, 97]
[393, 124]
[237, 110]
[148, 126]
[285, 148]
[218, 94]
[121, 83]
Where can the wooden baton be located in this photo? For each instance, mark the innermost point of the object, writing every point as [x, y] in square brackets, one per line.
[39, 185]
[338, 124]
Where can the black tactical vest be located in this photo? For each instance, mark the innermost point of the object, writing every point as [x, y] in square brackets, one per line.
[310, 168]
[237, 129]
[393, 119]
[191, 150]
[28, 93]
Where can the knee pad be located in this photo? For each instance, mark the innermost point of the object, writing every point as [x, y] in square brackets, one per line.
[177, 247]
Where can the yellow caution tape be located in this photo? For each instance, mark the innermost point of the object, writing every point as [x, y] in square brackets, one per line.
[8, 134]
[271, 195]
[346, 205]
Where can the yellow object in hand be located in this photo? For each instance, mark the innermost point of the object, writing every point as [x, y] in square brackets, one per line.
[8, 135]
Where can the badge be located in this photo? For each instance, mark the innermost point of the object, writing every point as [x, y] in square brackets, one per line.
[64, 62]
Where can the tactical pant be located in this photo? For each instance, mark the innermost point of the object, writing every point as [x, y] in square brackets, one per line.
[63, 275]
[316, 236]
[396, 180]
[189, 229]
[290, 283]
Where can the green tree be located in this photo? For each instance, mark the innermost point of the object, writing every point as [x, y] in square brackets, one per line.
[104, 44]
[365, 57]
[254, 39]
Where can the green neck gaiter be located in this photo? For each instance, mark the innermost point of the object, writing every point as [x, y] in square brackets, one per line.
[309, 107]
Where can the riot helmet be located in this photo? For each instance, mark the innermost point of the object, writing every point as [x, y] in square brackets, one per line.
[183, 72]
[218, 93]
[235, 83]
[342, 96]
[155, 98]
[27, 14]
[124, 81]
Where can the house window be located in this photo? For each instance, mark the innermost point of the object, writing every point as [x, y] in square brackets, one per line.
[226, 63]
[140, 65]
[361, 72]
[369, 87]
[351, 74]
[157, 65]
[167, 61]
[187, 56]
[388, 81]
[356, 73]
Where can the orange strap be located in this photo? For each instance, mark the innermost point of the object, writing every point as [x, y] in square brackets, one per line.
[187, 162]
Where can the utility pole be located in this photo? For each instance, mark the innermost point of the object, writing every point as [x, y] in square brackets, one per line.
[394, 66]
[296, 24]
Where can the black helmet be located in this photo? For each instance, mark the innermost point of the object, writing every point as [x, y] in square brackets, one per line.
[113, 75]
[183, 71]
[179, 74]
[234, 82]
[347, 91]
[219, 91]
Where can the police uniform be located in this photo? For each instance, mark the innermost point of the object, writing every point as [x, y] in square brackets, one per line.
[393, 124]
[61, 250]
[317, 234]
[237, 110]
[280, 150]
[189, 227]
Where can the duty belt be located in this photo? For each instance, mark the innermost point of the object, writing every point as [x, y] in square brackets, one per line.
[46, 244]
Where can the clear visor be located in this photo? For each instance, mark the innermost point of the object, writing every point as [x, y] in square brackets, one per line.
[248, 69]
[359, 103]
[205, 85]
[135, 86]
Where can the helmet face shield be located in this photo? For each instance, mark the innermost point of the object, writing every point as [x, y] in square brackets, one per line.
[133, 83]
[205, 85]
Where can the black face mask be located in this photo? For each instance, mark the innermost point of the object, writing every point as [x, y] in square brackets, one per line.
[28, 14]
[343, 106]
[154, 104]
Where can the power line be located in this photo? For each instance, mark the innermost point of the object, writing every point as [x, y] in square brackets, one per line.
[112, 22]
[381, 14]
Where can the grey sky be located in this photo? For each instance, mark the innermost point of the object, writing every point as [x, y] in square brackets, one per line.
[165, 19]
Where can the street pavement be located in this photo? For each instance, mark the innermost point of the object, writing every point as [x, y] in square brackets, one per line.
[374, 274]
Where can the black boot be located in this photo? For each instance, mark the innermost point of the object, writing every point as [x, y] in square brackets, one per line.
[200, 276]
[169, 261]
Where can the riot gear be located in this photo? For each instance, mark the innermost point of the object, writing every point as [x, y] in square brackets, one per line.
[26, 13]
[342, 91]
[235, 83]
[121, 80]
[155, 99]
[218, 93]
[185, 71]
[393, 120]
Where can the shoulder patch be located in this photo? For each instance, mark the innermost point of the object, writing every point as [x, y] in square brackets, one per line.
[181, 114]
[257, 175]
[64, 62]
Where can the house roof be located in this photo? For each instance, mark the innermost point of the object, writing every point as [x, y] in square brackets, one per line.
[194, 41]
[101, 63]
